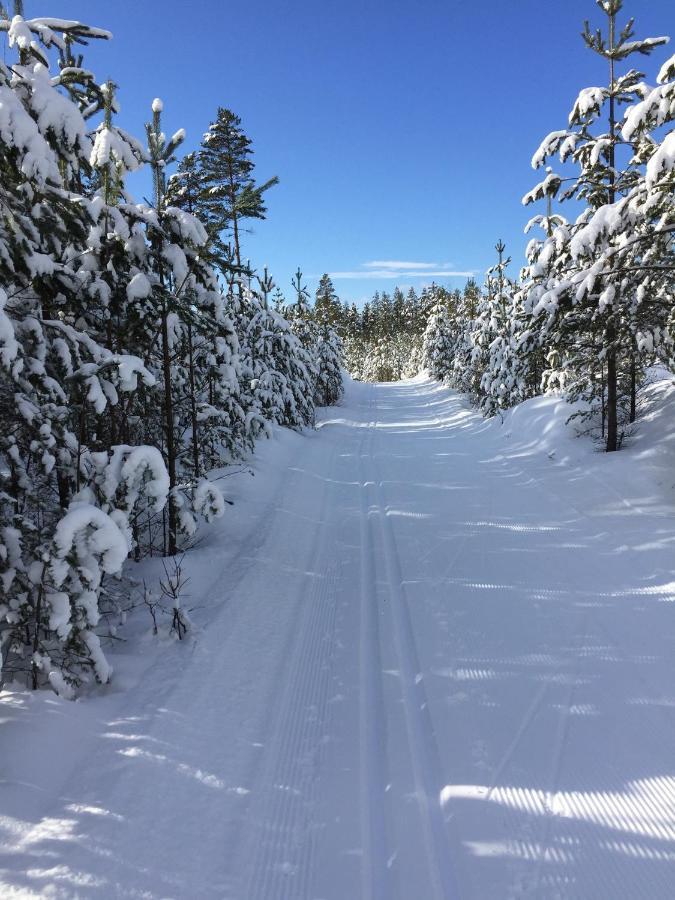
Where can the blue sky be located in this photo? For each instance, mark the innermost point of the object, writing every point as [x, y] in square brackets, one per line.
[401, 131]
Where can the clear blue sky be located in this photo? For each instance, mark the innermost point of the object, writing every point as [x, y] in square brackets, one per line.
[400, 131]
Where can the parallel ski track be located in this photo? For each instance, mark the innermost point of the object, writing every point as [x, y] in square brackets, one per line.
[282, 860]
[376, 876]
[422, 741]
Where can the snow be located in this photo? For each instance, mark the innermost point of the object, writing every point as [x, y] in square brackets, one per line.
[9, 346]
[663, 161]
[59, 616]
[129, 368]
[93, 532]
[17, 129]
[667, 70]
[45, 25]
[208, 501]
[432, 656]
[139, 287]
[188, 226]
[19, 34]
[178, 137]
[176, 258]
[607, 219]
[590, 100]
[55, 112]
[546, 188]
[112, 145]
[563, 142]
[136, 470]
[656, 108]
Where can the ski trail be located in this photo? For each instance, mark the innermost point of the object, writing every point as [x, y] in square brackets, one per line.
[525, 723]
[281, 860]
[551, 802]
[293, 750]
[423, 748]
[655, 692]
[375, 872]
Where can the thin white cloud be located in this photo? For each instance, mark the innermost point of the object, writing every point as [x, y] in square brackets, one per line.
[401, 273]
[400, 264]
[398, 268]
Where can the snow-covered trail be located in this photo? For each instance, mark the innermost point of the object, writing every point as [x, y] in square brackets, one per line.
[439, 670]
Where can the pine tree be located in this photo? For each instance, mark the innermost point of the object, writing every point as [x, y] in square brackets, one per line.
[462, 374]
[590, 319]
[65, 510]
[505, 378]
[377, 365]
[329, 359]
[280, 370]
[229, 194]
[327, 309]
[437, 346]
[303, 326]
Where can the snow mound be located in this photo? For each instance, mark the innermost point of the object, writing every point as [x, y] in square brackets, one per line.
[642, 473]
[542, 425]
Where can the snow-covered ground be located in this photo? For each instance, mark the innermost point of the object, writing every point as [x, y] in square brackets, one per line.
[434, 658]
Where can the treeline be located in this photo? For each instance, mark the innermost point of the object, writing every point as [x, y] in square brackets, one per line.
[383, 340]
[137, 350]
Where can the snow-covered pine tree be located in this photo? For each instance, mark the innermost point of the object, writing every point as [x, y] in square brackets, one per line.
[437, 345]
[198, 349]
[650, 208]
[543, 362]
[64, 510]
[378, 364]
[327, 308]
[354, 354]
[163, 299]
[498, 340]
[462, 375]
[354, 340]
[329, 386]
[322, 344]
[586, 310]
[300, 318]
[280, 371]
[217, 391]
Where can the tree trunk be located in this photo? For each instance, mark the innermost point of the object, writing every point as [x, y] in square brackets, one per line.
[235, 232]
[633, 388]
[602, 399]
[36, 635]
[235, 222]
[193, 404]
[612, 435]
[610, 334]
[170, 442]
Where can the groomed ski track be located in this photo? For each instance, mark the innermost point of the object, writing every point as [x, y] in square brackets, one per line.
[438, 671]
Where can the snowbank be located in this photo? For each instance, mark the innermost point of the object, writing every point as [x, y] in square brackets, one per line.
[642, 472]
